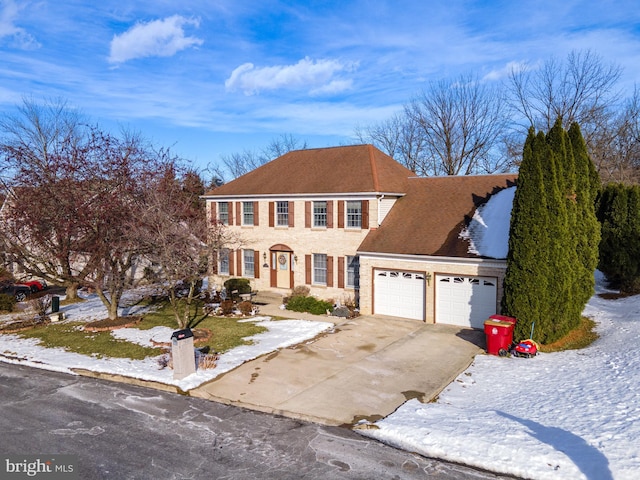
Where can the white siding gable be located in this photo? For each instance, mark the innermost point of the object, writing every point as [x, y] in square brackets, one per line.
[384, 206]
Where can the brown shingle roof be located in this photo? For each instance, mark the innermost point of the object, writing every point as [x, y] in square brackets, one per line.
[357, 168]
[428, 219]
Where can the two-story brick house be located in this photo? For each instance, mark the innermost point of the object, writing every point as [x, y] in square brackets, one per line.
[348, 222]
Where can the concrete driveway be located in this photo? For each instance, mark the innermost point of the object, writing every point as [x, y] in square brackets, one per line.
[363, 370]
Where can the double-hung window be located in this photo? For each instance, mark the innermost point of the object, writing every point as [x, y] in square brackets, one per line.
[354, 214]
[249, 266]
[319, 269]
[223, 212]
[282, 214]
[224, 261]
[320, 214]
[247, 213]
[353, 272]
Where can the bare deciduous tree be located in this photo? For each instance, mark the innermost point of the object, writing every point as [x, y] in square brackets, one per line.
[400, 138]
[76, 192]
[125, 168]
[451, 128]
[461, 123]
[462, 126]
[615, 147]
[173, 234]
[240, 163]
[43, 152]
[580, 89]
[283, 144]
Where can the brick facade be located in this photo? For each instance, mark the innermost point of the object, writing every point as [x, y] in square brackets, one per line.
[336, 241]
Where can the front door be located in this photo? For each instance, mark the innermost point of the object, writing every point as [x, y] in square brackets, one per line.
[283, 267]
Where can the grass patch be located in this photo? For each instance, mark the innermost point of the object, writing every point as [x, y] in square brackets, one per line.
[160, 314]
[72, 338]
[108, 324]
[580, 337]
[228, 332]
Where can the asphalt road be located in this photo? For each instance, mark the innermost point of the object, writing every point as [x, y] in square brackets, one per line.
[120, 431]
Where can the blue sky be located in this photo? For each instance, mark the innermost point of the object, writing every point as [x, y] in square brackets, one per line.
[212, 77]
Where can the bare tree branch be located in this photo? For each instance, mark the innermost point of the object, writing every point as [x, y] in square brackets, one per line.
[461, 123]
[243, 162]
[581, 89]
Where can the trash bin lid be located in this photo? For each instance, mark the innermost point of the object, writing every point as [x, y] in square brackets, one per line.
[181, 334]
[492, 322]
[503, 318]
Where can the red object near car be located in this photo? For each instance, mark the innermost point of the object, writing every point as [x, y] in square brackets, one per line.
[35, 285]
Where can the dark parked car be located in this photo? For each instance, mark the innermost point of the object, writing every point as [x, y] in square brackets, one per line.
[21, 292]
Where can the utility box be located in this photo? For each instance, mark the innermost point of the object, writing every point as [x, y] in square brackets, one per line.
[183, 354]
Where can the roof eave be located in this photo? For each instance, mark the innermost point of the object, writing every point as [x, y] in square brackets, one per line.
[501, 263]
[302, 195]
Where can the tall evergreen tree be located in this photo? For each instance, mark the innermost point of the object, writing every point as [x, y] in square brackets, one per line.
[619, 214]
[612, 213]
[551, 231]
[587, 227]
[560, 237]
[526, 281]
[633, 238]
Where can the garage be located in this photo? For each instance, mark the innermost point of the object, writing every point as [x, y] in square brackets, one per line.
[465, 301]
[399, 294]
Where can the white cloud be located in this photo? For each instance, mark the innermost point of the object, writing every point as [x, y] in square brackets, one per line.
[317, 75]
[18, 37]
[336, 86]
[158, 38]
[506, 70]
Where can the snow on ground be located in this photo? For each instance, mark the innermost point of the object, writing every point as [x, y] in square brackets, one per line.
[488, 231]
[566, 415]
[279, 334]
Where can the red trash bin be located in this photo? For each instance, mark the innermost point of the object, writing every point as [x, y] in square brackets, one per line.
[499, 332]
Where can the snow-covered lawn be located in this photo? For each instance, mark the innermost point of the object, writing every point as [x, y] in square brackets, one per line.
[567, 415]
[280, 334]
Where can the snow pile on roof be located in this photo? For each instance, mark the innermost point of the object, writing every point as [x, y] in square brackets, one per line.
[572, 414]
[488, 231]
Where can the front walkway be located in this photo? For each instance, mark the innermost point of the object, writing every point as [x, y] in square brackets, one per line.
[364, 369]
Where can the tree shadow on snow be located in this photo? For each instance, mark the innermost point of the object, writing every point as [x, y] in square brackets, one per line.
[587, 458]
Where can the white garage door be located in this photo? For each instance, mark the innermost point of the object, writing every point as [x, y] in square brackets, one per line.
[465, 301]
[400, 294]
